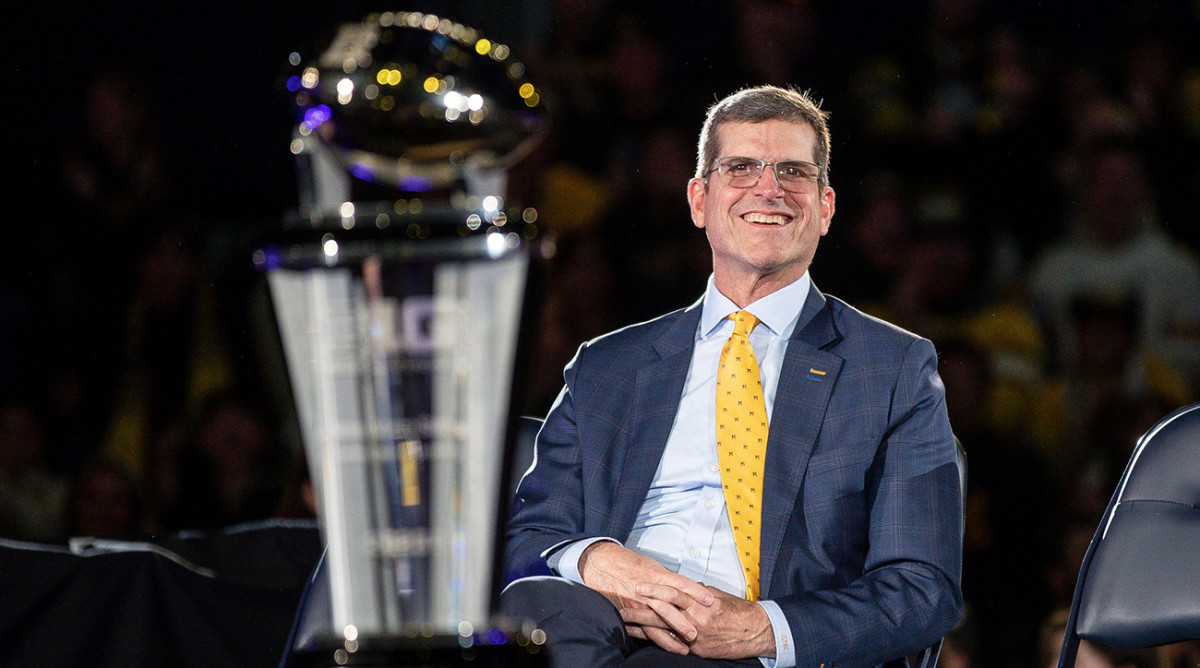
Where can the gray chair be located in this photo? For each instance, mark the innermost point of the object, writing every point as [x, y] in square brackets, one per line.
[1139, 585]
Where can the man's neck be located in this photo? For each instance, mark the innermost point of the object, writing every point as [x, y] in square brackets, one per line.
[745, 289]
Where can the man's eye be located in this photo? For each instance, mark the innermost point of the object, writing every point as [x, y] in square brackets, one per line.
[795, 172]
[740, 167]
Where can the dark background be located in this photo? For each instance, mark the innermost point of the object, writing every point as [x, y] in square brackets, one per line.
[134, 330]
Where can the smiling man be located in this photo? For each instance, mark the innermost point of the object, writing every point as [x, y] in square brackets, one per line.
[766, 477]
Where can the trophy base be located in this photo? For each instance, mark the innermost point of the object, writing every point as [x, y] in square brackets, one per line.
[436, 651]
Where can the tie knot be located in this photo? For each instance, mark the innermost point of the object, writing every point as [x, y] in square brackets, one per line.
[743, 322]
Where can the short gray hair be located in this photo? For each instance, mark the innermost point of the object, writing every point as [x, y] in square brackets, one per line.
[760, 104]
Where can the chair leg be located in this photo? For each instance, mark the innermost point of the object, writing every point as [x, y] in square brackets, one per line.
[928, 656]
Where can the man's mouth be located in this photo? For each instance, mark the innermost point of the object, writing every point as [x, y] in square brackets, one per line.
[767, 219]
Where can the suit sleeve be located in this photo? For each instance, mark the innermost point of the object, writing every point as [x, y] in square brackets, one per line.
[548, 509]
[909, 595]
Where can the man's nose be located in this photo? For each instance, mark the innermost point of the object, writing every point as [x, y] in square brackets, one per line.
[768, 183]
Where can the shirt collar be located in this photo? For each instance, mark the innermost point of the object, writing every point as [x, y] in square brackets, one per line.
[778, 310]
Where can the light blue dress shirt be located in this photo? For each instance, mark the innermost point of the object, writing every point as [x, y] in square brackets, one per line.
[683, 523]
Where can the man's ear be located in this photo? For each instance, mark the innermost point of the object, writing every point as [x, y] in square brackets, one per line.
[828, 205]
[697, 191]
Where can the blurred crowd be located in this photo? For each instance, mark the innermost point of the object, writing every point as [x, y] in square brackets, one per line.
[1018, 184]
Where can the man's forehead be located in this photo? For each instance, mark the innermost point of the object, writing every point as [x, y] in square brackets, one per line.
[733, 131]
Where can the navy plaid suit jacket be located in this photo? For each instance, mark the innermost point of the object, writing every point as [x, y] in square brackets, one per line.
[861, 528]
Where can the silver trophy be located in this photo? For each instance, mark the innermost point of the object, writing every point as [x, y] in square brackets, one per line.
[399, 299]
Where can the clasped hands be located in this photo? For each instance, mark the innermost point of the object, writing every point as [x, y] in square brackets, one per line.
[675, 612]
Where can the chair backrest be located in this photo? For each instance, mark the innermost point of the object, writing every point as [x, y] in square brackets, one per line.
[1139, 585]
[523, 449]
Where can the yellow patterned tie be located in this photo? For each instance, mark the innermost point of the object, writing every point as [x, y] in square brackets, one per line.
[742, 443]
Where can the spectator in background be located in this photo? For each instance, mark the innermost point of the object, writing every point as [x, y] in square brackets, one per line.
[867, 255]
[1152, 78]
[1118, 247]
[117, 173]
[104, 502]
[31, 495]
[945, 290]
[1111, 433]
[298, 500]
[776, 40]
[1112, 367]
[119, 163]
[232, 470]
[958, 647]
[1179, 655]
[1073, 537]
[173, 353]
[577, 305]
[1013, 128]
[642, 233]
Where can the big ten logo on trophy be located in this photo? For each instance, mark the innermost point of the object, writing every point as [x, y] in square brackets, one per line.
[404, 326]
[416, 325]
[398, 324]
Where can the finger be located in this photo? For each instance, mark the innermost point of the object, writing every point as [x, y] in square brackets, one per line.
[667, 641]
[644, 617]
[675, 619]
[668, 594]
[649, 618]
[624, 602]
[635, 631]
[688, 586]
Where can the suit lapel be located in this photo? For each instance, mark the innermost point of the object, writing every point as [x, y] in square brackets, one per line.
[806, 382]
[656, 399]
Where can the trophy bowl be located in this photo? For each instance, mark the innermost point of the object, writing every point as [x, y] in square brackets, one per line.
[409, 100]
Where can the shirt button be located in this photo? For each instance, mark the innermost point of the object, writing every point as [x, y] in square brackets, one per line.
[715, 468]
[710, 502]
[695, 553]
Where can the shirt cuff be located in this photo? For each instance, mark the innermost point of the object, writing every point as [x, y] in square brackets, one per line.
[785, 649]
[565, 559]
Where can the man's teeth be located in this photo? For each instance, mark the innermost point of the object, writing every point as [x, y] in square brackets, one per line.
[762, 218]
